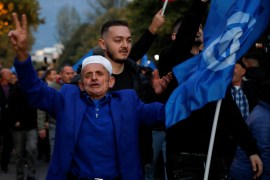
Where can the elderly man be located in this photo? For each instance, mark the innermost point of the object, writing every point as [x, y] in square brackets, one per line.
[96, 131]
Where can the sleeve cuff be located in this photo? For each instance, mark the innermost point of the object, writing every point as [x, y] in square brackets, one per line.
[17, 62]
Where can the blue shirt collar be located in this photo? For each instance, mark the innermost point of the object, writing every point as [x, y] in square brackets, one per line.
[97, 102]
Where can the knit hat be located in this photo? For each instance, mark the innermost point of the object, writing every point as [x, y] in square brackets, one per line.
[100, 60]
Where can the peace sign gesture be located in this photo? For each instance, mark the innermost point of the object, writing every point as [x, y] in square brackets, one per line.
[18, 37]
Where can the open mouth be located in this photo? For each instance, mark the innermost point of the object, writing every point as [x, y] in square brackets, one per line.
[124, 52]
[94, 85]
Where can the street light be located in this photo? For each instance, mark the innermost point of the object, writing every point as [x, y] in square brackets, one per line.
[156, 57]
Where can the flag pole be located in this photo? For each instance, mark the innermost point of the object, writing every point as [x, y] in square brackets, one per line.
[212, 139]
[164, 7]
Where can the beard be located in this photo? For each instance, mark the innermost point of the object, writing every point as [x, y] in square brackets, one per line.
[112, 57]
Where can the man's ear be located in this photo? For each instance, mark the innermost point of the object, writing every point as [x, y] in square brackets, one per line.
[111, 82]
[101, 43]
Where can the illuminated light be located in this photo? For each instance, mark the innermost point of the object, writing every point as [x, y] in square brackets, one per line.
[156, 57]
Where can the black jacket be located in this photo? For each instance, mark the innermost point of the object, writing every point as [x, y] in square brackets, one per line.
[20, 111]
[3, 105]
[193, 133]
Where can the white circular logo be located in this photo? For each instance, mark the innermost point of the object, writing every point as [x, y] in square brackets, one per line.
[221, 53]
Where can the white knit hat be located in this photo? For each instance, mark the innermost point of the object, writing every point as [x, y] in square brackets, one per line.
[100, 60]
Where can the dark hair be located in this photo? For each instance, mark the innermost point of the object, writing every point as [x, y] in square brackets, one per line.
[48, 71]
[254, 55]
[79, 69]
[241, 63]
[176, 25]
[97, 50]
[111, 23]
[40, 69]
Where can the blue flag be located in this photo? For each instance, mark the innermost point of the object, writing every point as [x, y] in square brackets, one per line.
[231, 29]
[79, 62]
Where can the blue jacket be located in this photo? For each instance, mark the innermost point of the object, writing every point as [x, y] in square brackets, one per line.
[259, 124]
[68, 106]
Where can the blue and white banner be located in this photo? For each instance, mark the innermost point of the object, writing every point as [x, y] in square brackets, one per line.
[231, 29]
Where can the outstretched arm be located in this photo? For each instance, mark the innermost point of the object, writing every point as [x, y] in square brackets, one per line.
[180, 49]
[18, 37]
[140, 47]
[38, 93]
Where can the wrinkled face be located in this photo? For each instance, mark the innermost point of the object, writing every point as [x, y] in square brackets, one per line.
[67, 74]
[96, 80]
[117, 43]
[239, 72]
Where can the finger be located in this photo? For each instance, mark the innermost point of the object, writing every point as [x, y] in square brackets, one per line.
[10, 33]
[24, 22]
[254, 166]
[169, 76]
[164, 84]
[166, 79]
[155, 74]
[16, 21]
[259, 170]
[161, 85]
[256, 175]
[160, 11]
[13, 41]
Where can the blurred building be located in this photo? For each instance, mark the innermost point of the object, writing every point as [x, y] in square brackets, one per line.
[48, 53]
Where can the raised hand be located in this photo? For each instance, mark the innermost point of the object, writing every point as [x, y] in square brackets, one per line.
[18, 37]
[157, 22]
[160, 84]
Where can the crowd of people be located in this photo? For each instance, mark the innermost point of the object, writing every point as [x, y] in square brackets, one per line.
[107, 121]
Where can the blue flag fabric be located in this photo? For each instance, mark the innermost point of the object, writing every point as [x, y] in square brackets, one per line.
[231, 29]
[79, 62]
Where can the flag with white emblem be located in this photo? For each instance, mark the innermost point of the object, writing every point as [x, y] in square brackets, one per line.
[231, 29]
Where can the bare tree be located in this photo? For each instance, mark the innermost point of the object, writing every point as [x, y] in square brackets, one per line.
[102, 6]
[68, 21]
